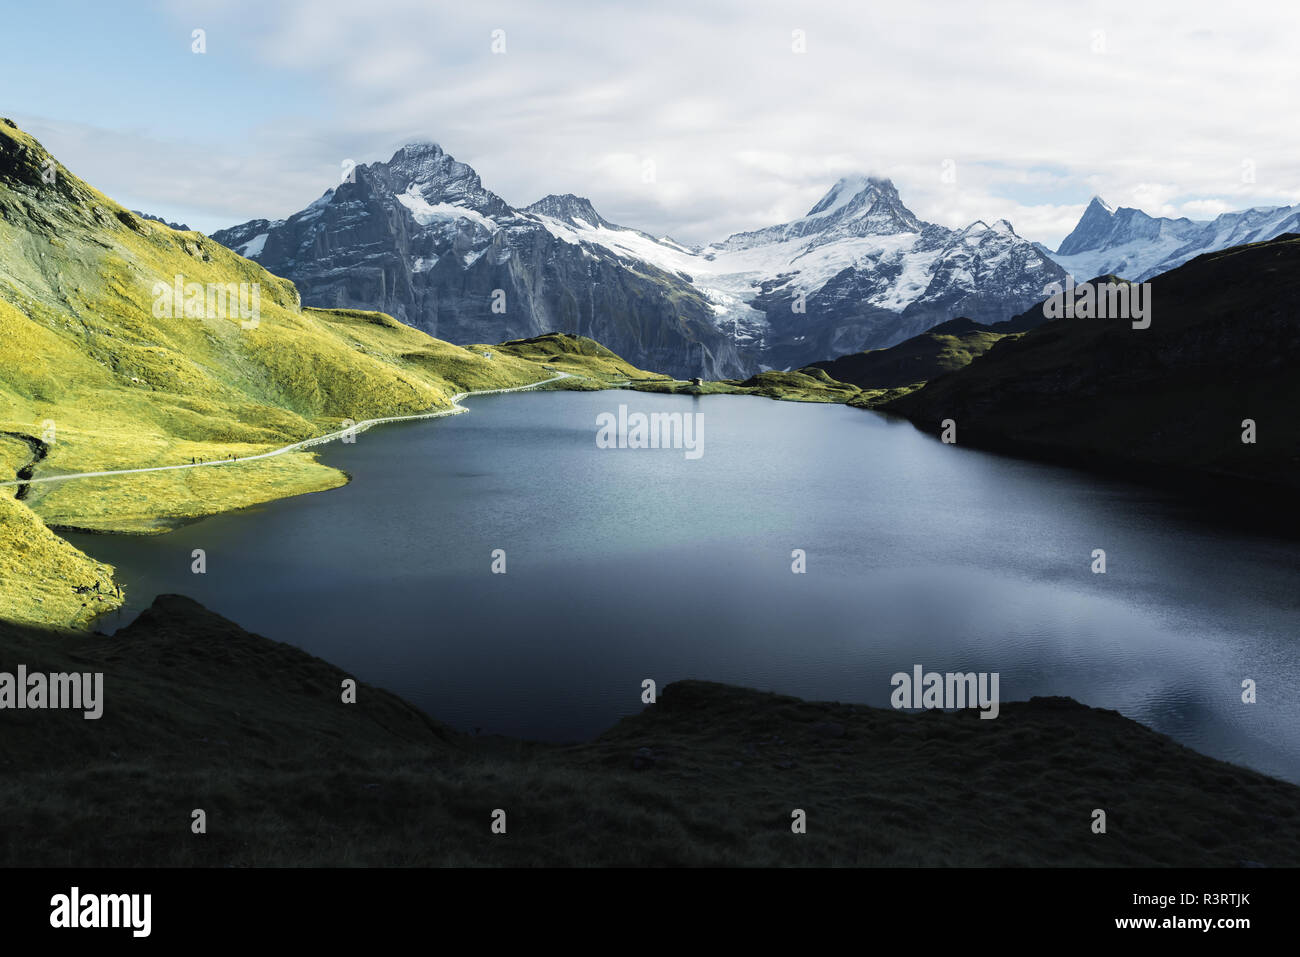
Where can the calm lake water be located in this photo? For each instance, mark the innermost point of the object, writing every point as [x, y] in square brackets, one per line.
[626, 564]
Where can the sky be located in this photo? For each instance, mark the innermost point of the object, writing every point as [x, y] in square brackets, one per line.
[691, 119]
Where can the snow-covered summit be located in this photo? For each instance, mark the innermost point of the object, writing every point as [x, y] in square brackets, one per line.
[1130, 243]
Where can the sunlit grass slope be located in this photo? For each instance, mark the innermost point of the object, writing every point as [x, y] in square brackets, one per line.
[93, 377]
[579, 356]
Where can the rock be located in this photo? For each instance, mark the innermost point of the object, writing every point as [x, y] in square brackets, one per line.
[422, 239]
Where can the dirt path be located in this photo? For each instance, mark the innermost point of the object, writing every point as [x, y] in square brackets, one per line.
[23, 481]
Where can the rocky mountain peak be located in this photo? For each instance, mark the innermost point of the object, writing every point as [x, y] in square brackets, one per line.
[424, 168]
[1092, 230]
[570, 209]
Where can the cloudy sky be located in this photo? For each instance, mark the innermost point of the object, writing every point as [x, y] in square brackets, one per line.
[999, 109]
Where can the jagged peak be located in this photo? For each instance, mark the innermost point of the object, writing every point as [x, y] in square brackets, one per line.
[423, 162]
[1097, 221]
[848, 188]
[416, 149]
[568, 208]
[1101, 204]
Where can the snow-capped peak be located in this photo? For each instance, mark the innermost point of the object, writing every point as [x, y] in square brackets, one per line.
[1093, 230]
[570, 209]
[845, 190]
[856, 206]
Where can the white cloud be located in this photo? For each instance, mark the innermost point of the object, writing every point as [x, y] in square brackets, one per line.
[743, 131]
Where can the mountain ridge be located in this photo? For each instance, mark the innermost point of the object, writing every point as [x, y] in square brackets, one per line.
[1131, 243]
[1169, 401]
[421, 238]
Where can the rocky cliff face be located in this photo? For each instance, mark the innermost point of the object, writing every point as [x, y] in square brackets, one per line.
[1129, 243]
[420, 238]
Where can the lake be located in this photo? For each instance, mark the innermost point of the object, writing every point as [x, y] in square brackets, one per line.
[626, 564]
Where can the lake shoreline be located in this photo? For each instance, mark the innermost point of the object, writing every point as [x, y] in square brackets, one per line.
[428, 505]
[710, 775]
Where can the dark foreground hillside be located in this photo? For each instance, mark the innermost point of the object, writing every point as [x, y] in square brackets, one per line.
[1169, 400]
[200, 714]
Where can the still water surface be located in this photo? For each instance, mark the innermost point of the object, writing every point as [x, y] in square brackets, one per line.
[631, 564]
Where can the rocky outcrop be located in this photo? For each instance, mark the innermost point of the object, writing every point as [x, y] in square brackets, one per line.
[420, 238]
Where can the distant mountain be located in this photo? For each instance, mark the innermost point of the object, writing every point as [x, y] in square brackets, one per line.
[158, 219]
[1129, 243]
[1171, 398]
[421, 238]
[868, 273]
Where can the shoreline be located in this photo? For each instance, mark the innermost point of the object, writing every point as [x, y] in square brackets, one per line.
[706, 776]
[456, 409]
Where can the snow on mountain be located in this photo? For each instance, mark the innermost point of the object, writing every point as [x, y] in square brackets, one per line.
[253, 248]
[1129, 243]
[420, 237]
[882, 257]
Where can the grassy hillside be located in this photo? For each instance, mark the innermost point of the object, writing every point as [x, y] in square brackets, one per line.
[884, 375]
[912, 363]
[800, 385]
[577, 355]
[1167, 401]
[94, 376]
[199, 714]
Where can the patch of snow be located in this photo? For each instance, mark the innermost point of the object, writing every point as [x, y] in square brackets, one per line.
[426, 213]
[253, 248]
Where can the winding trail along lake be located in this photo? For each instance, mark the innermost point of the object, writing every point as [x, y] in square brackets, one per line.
[630, 564]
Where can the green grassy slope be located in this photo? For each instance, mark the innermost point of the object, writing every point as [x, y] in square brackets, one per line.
[199, 714]
[911, 363]
[579, 356]
[799, 385]
[1169, 400]
[92, 375]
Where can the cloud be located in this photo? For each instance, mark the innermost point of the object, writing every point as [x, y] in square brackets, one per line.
[1037, 107]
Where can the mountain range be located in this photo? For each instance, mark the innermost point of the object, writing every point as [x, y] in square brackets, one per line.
[1129, 243]
[422, 239]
